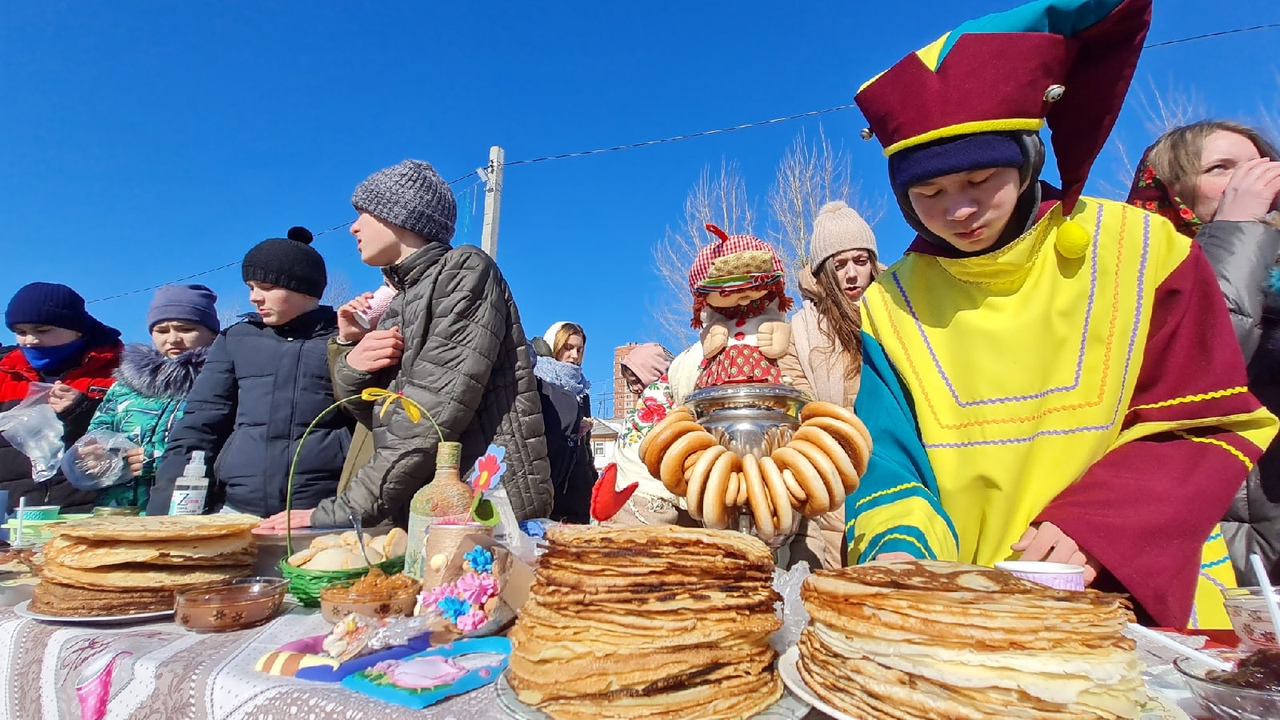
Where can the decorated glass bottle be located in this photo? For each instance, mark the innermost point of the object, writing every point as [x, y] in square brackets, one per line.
[446, 499]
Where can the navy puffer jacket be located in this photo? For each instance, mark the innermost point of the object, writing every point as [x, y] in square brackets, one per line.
[260, 388]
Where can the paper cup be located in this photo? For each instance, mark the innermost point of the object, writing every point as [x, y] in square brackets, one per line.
[1055, 575]
[377, 306]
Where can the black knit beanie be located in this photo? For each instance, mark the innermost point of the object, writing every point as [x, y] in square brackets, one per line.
[290, 263]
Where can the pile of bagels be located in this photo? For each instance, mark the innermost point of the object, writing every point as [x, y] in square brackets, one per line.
[811, 474]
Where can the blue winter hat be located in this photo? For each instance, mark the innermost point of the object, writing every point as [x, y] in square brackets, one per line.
[193, 303]
[971, 152]
[52, 304]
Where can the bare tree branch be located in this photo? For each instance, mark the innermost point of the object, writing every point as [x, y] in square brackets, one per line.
[809, 176]
[721, 200]
[338, 290]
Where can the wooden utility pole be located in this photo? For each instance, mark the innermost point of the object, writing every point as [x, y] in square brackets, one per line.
[492, 202]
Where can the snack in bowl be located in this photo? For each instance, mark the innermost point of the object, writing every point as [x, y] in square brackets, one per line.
[376, 595]
[342, 552]
[1248, 692]
[236, 605]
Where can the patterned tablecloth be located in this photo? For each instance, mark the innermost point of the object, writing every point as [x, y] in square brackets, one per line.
[167, 672]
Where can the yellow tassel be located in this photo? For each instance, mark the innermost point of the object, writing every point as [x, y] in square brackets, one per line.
[1072, 241]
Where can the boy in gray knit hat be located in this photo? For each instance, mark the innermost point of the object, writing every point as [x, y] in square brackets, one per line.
[451, 340]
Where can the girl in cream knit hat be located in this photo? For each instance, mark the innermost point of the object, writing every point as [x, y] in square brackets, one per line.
[825, 357]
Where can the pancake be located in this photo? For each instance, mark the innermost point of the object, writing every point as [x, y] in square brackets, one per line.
[653, 622]
[927, 639]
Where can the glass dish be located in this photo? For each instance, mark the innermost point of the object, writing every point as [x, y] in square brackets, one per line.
[337, 601]
[1220, 700]
[236, 605]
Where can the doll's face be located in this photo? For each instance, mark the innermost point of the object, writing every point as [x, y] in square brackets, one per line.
[720, 300]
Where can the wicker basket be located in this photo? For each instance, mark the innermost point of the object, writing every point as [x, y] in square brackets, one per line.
[305, 585]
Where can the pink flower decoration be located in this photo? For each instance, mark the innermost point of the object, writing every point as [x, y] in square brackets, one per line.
[472, 621]
[427, 600]
[476, 588]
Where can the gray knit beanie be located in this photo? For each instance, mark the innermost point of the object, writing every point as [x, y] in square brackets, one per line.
[411, 195]
[838, 228]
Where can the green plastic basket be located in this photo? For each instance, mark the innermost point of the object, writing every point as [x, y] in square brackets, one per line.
[305, 585]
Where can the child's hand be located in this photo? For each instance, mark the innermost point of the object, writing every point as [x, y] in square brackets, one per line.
[377, 350]
[62, 396]
[349, 329]
[136, 458]
[1046, 542]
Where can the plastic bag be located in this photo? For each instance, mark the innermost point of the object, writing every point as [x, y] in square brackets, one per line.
[98, 460]
[35, 430]
[792, 611]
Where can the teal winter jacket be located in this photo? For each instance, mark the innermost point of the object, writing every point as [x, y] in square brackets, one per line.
[143, 405]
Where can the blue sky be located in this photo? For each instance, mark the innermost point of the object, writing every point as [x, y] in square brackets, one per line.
[143, 142]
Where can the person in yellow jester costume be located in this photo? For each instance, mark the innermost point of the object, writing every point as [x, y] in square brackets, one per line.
[1071, 363]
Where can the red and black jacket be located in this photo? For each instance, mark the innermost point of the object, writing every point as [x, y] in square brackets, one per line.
[92, 375]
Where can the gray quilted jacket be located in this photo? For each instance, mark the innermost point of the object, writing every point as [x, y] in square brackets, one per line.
[1242, 255]
[466, 362]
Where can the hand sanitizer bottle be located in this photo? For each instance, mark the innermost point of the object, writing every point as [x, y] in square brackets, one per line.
[190, 490]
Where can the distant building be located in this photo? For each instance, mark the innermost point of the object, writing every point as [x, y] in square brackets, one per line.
[623, 400]
[604, 437]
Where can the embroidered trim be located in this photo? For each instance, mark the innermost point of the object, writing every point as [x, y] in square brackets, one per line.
[1192, 398]
[1084, 333]
[1214, 441]
[871, 553]
[1124, 379]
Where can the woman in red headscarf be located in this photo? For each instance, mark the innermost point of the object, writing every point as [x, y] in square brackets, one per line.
[1218, 183]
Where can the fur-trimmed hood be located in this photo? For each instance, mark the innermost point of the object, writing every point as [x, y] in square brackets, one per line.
[146, 371]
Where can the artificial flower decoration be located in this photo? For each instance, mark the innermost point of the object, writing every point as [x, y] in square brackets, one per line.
[462, 602]
[484, 477]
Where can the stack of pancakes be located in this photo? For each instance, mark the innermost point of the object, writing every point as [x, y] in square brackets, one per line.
[648, 622]
[105, 566]
[926, 639]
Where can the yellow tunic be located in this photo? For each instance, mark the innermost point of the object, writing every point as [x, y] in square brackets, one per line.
[1022, 364]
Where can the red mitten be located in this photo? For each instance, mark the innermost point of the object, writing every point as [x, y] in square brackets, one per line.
[606, 499]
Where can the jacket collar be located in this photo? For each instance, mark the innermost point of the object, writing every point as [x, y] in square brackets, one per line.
[97, 361]
[406, 273]
[311, 324]
[152, 374]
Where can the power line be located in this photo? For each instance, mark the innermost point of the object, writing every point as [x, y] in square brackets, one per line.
[674, 138]
[210, 271]
[1220, 33]
[563, 156]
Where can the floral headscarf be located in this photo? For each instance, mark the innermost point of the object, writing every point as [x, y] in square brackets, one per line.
[1150, 192]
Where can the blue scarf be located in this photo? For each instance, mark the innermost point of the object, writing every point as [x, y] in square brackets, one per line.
[54, 357]
[566, 375]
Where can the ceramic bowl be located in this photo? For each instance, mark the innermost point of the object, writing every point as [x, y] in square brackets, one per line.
[1247, 609]
[337, 602]
[38, 512]
[236, 605]
[1219, 700]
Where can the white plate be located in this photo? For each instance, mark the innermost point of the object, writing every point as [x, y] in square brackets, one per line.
[791, 678]
[789, 707]
[1158, 708]
[21, 611]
